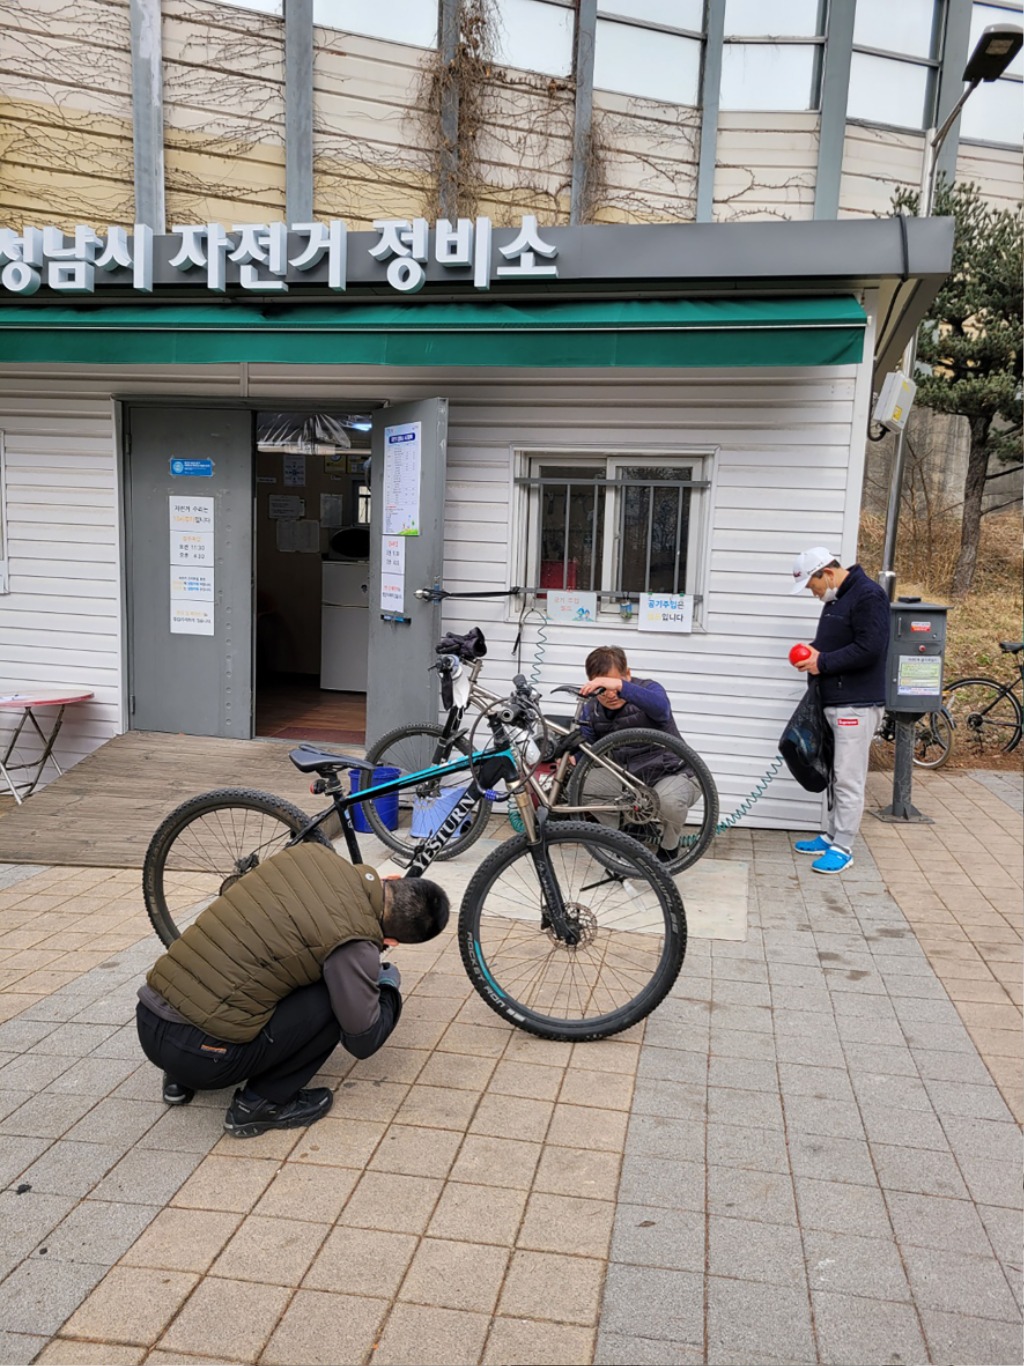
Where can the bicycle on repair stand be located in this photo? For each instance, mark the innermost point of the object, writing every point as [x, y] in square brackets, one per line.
[568, 930]
[603, 781]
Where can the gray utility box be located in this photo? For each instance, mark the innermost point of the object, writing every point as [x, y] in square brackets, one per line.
[917, 644]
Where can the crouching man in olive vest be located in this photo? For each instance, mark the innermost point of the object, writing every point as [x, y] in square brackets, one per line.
[273, 974]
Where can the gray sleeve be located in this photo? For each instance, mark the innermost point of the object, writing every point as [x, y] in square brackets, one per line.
[350, 975]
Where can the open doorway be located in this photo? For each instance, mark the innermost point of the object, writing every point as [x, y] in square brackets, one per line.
[312, 566]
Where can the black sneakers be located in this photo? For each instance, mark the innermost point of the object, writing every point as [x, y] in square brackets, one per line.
[247, 1118]
[175, 1093]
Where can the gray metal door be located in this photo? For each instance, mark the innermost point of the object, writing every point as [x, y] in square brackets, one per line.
[407, 476]
[188, 515]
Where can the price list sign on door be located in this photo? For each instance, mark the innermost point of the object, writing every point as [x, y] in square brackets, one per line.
[403, 450]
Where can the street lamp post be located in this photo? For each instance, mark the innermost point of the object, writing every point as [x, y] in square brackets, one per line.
[993, 53]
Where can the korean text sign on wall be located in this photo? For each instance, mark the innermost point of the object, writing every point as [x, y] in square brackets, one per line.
[270, 257]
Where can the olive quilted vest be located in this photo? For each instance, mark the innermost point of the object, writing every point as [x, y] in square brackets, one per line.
[264, 937]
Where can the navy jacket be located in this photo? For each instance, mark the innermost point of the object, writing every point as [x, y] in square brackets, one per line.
[853, 639]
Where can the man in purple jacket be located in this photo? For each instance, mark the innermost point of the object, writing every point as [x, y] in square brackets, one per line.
[848, 656]
[621, 702]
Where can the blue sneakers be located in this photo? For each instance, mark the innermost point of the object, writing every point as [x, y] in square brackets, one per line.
[836, 860]
[818, 845]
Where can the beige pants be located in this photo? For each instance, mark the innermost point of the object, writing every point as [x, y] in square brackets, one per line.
[676, 794]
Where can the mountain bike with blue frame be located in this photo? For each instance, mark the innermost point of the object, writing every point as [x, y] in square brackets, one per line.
[568, 930]
[573, 779]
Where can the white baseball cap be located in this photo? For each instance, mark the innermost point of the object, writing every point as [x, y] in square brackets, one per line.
[807, 564]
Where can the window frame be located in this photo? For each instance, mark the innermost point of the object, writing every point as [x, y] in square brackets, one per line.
[699, 36]
[527, 465]
[933, 72]
[817, 42]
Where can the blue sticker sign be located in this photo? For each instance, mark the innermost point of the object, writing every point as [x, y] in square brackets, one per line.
[191, 469]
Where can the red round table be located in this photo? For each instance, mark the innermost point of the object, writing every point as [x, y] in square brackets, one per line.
[28, 703]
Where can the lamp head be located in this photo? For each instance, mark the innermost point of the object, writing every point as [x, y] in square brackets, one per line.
[993, 53]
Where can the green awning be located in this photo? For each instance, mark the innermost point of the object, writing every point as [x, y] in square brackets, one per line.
[669, 333]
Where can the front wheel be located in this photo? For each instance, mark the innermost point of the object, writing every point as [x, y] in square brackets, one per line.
[420, 809]
[644, 753]
[986, 717]
[933, 737]
[626, 940]
[207, 844]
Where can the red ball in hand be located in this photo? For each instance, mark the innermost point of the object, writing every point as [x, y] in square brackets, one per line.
[799, 653]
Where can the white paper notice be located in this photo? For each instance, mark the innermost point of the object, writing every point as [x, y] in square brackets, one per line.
[393, 555]
[191, 618]
[285, 505]
[392, 593]
[571, 606]
[666, 612]
[189, 586]
[295, 471]
[332, 510]
[192, 547]
[402, 457]
[307, 537]
[191, 514]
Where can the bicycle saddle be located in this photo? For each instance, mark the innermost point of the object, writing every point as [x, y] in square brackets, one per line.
[468, 647]
[309, 759]
[1011, 647]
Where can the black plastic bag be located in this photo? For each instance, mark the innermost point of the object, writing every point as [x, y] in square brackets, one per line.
[807, 743]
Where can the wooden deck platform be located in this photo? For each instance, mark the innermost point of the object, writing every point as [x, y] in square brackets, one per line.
[102, 813]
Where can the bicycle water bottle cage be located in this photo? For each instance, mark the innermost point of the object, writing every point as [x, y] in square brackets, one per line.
[468, 647]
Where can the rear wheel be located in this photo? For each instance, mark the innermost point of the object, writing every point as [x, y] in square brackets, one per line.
[592, 784]
[933, 736]
[413, 749]
[209, 843]
[986, 718]
[628, 933]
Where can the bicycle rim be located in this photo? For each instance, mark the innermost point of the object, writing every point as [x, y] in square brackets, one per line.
[592, 784]
[207, 844]
[932, 740]
[411, 749]
[632, 934]
[987, 720]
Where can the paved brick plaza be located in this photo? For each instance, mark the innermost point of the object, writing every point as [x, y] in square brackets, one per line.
[807, 1154]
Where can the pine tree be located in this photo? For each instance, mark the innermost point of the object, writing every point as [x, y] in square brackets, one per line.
[972, 342]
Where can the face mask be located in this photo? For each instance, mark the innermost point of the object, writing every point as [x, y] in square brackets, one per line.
[829, 594]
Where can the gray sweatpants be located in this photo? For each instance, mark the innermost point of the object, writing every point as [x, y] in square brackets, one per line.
[853, 729]
[676, 794]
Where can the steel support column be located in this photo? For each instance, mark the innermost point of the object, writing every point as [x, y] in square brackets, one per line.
[586, 26]
[835, 87]
[955, 47]
[298, 110]
[148, 112]
[711, 80]
[448, 175]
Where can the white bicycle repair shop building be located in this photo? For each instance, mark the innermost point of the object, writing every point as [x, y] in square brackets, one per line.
[583, 414]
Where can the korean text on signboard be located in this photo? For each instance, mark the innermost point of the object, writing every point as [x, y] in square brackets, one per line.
[268, 257]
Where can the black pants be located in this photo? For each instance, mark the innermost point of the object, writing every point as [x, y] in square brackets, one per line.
[301, 1035]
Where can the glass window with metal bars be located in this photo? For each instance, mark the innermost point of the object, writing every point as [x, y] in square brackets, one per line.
[615, 524]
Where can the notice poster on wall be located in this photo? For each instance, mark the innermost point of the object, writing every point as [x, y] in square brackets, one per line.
[571, 607]
[294, 469]
[285, 505]
[191, 618]
[392, 576]
[191, 567]
[191, 514]
[403, 450]
[302, 536]
[666, 612]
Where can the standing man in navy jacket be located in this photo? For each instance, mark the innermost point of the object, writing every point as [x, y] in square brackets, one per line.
[848, 656]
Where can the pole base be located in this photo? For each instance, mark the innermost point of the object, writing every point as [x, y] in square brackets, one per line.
[902, 815]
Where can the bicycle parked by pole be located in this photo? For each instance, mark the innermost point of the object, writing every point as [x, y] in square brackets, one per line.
[987, 715]
[571, 778]
[568, 930]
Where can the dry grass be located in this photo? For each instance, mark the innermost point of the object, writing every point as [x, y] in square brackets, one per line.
[925, 560]
[992, 612]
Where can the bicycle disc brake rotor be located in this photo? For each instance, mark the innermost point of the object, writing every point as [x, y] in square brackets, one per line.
[242, 866]
[581, 920]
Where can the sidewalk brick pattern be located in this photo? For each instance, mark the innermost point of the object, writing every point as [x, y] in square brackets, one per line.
[801, 1157]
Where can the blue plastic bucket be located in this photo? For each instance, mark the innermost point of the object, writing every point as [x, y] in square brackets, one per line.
[387, 807]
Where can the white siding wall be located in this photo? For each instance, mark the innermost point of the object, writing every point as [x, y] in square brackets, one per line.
[784, 479]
